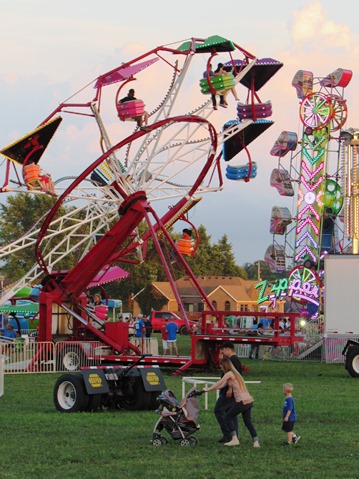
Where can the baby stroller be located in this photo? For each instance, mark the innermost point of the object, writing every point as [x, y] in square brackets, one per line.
[177, 418]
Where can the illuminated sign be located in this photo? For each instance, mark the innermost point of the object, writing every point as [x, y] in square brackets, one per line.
[296, 288]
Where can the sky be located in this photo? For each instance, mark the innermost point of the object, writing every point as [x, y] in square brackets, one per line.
[50, 50]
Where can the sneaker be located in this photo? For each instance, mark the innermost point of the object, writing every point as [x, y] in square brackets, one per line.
[256, 445]
[233, 442]
[144, 128]
[223, 105]
[295, 439]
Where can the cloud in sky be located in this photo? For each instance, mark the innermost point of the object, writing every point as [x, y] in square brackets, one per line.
[58, 50]
[311, 24]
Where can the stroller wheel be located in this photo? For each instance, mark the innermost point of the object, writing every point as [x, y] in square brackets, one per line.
[164, 440]
[157, 442]
[185, 442]
[193, 440]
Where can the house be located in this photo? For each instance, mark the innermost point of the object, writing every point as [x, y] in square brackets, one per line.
[226, 293]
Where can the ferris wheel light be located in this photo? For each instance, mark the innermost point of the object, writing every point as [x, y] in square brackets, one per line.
[302, 323]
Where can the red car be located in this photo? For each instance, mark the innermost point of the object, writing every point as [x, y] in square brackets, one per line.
[158, 319]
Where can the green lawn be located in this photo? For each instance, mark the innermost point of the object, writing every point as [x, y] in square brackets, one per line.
[36, 441]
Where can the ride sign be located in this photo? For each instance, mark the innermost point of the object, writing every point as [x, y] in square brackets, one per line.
[301, 286]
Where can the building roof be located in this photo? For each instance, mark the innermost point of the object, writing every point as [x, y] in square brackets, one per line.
[238, 288]
[164, 288]
[238, 293]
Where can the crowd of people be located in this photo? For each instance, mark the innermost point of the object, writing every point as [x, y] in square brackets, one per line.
[141, 328]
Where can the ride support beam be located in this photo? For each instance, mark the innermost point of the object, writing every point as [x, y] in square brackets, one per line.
[132, 211]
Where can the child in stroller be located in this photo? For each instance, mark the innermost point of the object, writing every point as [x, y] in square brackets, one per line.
[177, 418]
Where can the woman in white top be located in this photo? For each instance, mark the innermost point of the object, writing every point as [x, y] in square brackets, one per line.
[242, 405]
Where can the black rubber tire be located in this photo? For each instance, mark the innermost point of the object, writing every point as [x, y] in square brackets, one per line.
[94, 402]
[140, 400]
[193, 440]
[183, 331]
[352, 362]
[70, 359]
[70, 393]
[154, 402]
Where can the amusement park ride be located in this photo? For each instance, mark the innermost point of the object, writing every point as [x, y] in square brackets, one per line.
[317, 173]
[321, 235]
[155, 175]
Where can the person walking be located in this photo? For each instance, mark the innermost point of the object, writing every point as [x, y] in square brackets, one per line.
[289, 415]
[242, 405]
[225, 398]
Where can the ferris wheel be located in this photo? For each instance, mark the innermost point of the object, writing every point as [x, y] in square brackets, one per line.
[316, 171]
[166, 166]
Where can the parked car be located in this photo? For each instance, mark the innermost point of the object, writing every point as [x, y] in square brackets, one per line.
[159, 319]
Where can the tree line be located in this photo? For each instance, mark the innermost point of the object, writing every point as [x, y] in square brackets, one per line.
[19, 213]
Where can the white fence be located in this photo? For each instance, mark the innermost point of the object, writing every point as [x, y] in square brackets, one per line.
[26, 355]
[29, 356]
[333, 345]
[203, 382]
[314, 347]
[46, 357]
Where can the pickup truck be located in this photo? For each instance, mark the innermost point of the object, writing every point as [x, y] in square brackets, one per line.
[158, 319]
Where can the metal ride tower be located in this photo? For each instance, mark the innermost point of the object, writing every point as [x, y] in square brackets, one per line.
[152, 176]
[316, 174]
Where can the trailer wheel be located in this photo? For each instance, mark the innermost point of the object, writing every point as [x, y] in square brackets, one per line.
[138, 401]
[154, 400]
[94, 402]
[70, 359]
[352, 362]
[70, 394]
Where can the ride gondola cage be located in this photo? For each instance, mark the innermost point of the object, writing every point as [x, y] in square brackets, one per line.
[27, 152]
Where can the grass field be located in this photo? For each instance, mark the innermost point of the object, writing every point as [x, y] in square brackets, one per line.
[36, 441]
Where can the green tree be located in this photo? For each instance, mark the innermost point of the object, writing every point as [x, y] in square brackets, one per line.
[223, 259]
[20, 215]
[263, 271]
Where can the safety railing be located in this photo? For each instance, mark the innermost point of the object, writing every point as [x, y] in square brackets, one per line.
[333, 345]
[203, 382]
[27, 356]
[22, 356]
